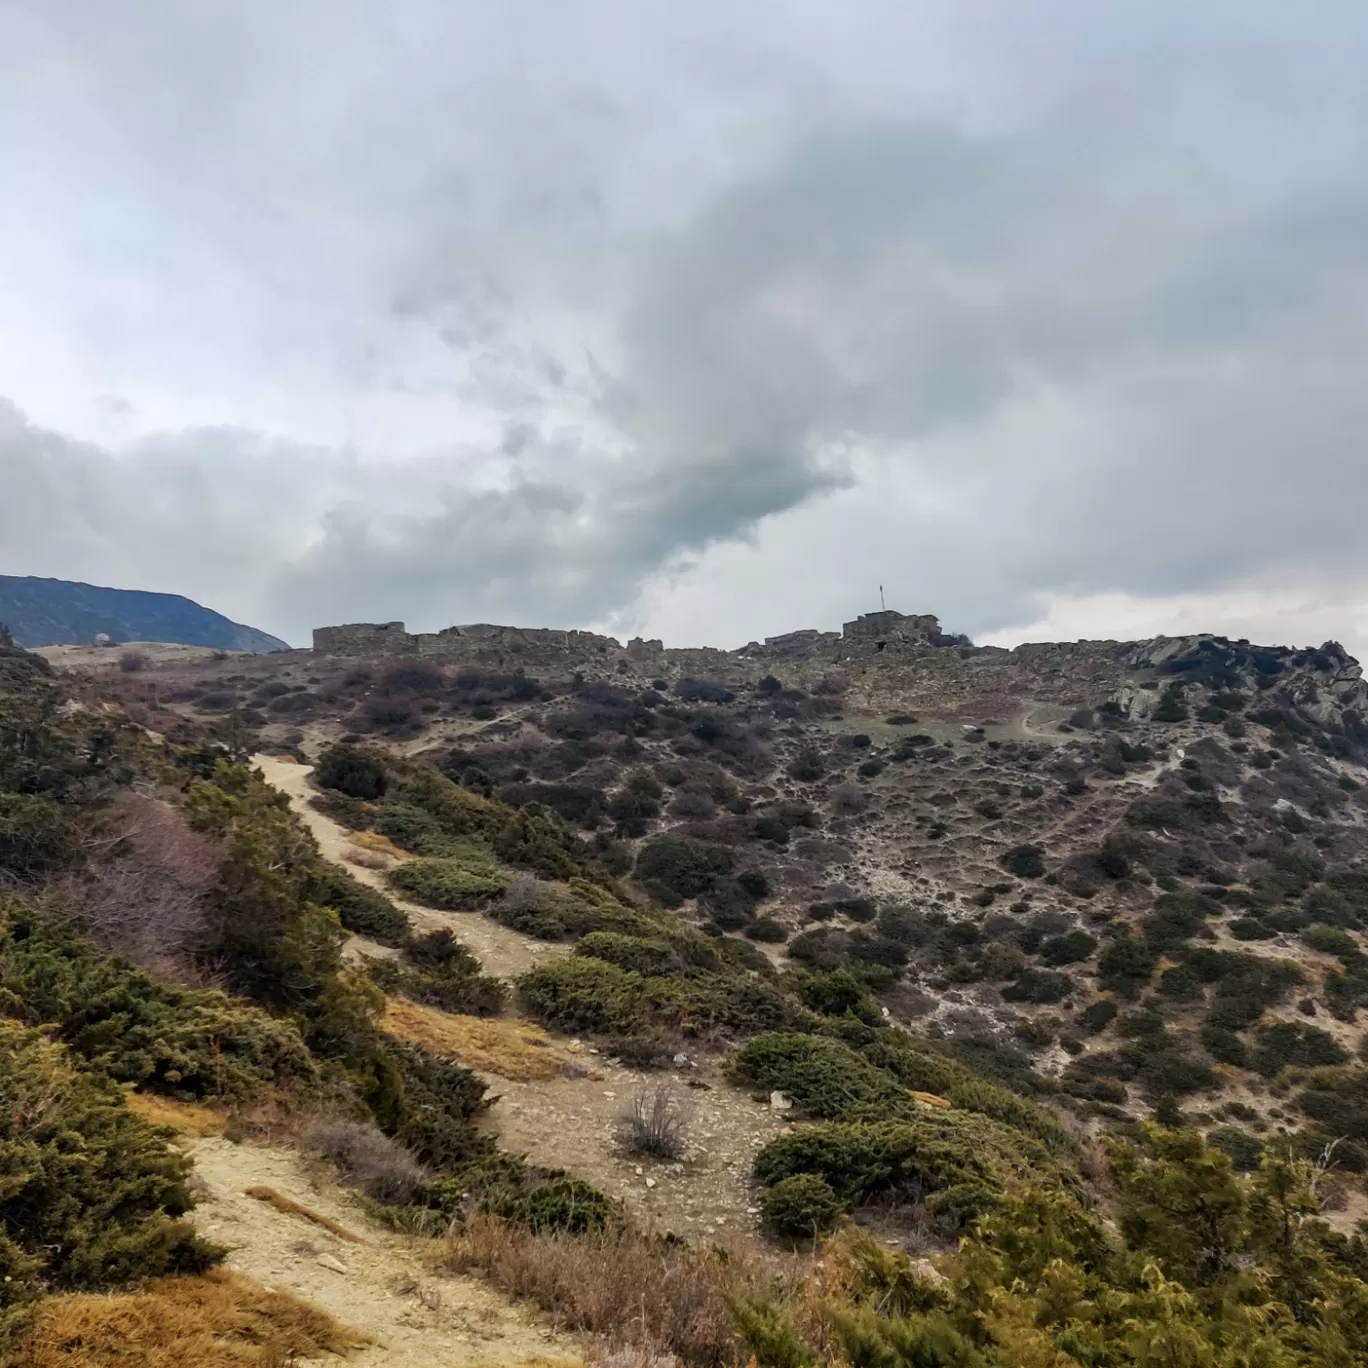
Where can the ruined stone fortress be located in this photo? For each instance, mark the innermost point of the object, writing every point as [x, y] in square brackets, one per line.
[868, 633]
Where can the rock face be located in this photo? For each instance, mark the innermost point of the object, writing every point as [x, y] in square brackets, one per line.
[52, 612]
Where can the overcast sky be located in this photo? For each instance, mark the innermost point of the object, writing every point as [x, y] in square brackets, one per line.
[692, 320]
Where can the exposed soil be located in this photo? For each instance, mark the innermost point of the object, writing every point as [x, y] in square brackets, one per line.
[572, 1123]
[419, 1319]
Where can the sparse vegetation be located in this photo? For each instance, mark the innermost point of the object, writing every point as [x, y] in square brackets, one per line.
[655, 1122]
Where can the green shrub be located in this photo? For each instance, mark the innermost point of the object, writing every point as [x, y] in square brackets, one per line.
[1097, 1016]
[564, 1206]
[1247, 988]
[1176, 918]
[437, 970]
[581, 804]
[673, 868]
[1338, 1100]
[1126, 965]
[755, 883]
[1225, 1046]
[1171, 1071]
[912, 1159]
[1170, 706]
[90, 1194]
[450, 883]
[37, 836]
[834, 994]
[1038, 985]
[823, 1078]
[1025, 861]
[1243, 1150]
[190, 1043]
[766, 929]
[566, 912]
[1070, 948]
[361, 909]
[351, 770]
[1286, 1043]
[729, 904]
[770, 828]
[1180, 984]
[1330, 940]
[647, 957]
[414, 830]
[802, 1207]
[584, 994]
[440, 1103]
[634, 808]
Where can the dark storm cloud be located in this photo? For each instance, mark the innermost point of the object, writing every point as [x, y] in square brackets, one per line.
[550, 317]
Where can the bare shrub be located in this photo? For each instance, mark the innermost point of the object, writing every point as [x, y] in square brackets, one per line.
[522, 894]
[848, 798]
[133, 661]
[367, 859]
[654, 1122]
[148, 904]
[642, 1298]
[369, 1159]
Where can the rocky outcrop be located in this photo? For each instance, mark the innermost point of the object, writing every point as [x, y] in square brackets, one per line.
[1323, 685]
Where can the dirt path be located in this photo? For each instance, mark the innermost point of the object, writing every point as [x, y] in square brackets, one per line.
[502, 952]
[570, 1121]
[418, 1319]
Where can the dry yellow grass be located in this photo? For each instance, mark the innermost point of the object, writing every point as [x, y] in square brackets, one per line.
[381, 845]
[187, 1118]
[292, 1208]
[515, 1050]
[929, 1099]
[219, 1320]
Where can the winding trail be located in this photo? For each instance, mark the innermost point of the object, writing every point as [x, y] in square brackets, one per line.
[505, 954]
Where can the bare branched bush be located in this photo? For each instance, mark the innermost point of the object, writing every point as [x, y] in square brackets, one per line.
[148, 903]
[522, 894]
[133, 661]
[848, 798]
[655, 1122]
[369, 1159]
[692, 803]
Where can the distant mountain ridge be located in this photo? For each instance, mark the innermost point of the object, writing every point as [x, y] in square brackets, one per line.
[53, 612]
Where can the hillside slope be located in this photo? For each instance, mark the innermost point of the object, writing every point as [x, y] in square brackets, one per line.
[53, 612]
[996, 954]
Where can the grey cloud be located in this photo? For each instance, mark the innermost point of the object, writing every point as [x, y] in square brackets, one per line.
[1098, 325]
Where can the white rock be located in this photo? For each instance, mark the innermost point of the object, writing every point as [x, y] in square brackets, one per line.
[650, 1182]
[327, 1261]
[927, 1272]
[780, 1103]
